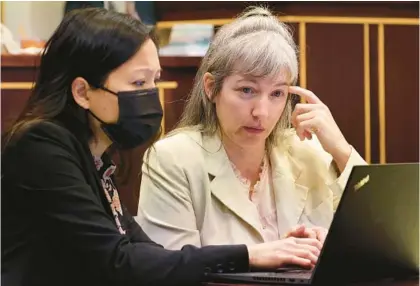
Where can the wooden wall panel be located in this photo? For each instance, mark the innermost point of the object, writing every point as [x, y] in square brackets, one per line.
[335, 75]
[402, 93]
[374, 112]
[183, 71]
[333, 68]
[294, 28]
[12, 102]
[169, 10]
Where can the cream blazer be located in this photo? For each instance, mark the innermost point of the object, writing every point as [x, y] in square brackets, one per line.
[190, 194]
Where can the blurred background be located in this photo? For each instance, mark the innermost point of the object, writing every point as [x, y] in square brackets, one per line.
[360, 58]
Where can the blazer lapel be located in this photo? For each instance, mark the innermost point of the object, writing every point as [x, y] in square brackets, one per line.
[226, 187]
[289, 195]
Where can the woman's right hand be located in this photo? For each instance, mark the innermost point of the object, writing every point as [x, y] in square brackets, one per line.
[302, 252]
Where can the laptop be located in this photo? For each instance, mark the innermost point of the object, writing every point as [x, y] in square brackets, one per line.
[374, 234]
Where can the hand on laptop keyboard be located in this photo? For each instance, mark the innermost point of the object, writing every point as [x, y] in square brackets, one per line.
[302, 231]
[301, 252]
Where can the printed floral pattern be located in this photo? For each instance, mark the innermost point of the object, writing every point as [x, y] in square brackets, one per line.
[106, 171]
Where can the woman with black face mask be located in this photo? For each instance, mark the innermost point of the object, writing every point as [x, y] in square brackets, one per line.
[62, 221]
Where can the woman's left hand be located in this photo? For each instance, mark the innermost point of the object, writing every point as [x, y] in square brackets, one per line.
[315, 232]
[315, 117]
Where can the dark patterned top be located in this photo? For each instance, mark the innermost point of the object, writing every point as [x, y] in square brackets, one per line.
[106, 169]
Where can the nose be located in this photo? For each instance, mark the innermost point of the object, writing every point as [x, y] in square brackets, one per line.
[261, 108]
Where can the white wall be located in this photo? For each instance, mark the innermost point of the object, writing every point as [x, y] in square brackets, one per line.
[37, 19]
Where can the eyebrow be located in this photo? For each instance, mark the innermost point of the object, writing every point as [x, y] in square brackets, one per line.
[251, 79]
[282, 83]
[147, 69]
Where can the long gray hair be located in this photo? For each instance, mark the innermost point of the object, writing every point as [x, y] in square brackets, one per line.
[256, 44]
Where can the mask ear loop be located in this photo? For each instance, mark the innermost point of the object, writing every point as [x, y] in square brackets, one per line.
[103, 88]
[107, 90]
[97, 118]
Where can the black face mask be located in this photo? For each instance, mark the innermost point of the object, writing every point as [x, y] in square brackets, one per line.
[140, 117]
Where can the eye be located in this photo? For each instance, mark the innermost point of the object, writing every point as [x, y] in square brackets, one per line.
[139, 82]
[246, 90]
[278, 93]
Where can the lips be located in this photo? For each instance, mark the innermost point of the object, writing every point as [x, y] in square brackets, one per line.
[254, 129]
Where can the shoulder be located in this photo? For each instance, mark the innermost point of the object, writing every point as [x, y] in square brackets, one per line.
[43, 132]
[39, 148]
[40, 139]
[180, 150]
[179, 143]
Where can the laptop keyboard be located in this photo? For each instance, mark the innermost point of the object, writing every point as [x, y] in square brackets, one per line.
[301, 274]
[293, 273]
[293, 270]
[294, 276]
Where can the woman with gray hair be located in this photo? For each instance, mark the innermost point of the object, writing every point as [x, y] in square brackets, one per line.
[234, 171]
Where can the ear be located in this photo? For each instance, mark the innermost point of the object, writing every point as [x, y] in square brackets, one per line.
[79, 89]
[208, 81]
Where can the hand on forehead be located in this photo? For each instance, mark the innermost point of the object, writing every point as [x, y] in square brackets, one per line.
[307, 95]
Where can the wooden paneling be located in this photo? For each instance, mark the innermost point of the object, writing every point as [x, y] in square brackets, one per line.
[169, 11]
[332, 65]
[336, 77]
[401, 93]
[374, 112]
[12, 102]
[183, 71]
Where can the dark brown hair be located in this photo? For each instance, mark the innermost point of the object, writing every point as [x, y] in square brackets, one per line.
[89, 43]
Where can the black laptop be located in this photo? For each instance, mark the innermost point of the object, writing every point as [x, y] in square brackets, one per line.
[374, 234]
